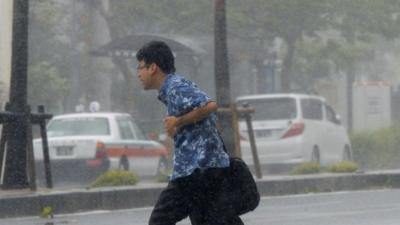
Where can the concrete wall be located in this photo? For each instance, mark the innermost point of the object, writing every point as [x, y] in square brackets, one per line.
[5, 48]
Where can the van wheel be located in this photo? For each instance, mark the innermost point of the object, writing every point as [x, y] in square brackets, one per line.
[123, 163]
[315, 155]
[347, 156]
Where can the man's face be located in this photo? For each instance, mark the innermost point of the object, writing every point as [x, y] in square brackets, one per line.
[145, 74]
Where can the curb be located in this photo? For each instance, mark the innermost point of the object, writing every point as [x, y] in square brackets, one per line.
[330, 183]
[134, 197]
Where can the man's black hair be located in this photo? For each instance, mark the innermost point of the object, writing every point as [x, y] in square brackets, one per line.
[157, 52]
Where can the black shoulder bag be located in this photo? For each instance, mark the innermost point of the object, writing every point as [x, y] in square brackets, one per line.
[239, 193]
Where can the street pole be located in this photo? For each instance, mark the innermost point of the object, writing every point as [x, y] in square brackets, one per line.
[222, 81]
[15, 174]
[349, 90]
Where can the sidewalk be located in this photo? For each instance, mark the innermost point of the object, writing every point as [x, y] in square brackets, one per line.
[19, 203]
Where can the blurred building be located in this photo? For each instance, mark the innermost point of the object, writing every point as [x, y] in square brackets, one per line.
[371, 105]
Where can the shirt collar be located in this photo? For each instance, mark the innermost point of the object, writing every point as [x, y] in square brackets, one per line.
[162, 94]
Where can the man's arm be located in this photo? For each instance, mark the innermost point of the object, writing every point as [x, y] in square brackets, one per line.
[172, 124]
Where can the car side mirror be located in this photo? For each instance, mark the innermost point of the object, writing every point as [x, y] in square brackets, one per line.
[338, 119]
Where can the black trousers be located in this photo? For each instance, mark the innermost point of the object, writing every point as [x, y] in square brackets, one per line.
[193, 196]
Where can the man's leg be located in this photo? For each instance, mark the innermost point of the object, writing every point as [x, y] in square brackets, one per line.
[172, 206]
[210, 216]
[235, 220]
[197, 217]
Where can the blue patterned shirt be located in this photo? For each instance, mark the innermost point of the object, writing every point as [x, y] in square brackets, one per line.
[197, 145]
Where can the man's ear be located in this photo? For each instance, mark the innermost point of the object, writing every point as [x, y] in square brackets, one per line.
[153, 68]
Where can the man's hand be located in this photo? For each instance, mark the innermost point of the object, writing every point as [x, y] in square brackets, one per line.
[171, 125]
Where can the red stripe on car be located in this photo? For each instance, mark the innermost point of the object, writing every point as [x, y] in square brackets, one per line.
[136, 152]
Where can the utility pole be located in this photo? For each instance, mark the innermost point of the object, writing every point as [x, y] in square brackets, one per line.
[349, 90]
[15, 174]
[222, 81]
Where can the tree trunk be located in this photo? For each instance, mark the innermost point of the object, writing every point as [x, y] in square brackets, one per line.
[260, 75]
[349, 90]
[222, 78]
[287, 66]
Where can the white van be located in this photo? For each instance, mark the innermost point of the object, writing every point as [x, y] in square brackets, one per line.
[292, 129]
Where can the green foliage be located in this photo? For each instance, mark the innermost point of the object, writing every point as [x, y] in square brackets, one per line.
[285, 19]
[294, 21]
[289, 21]
[306, 168]
[46, 86]
[165, 16]
[115, 178]
[343, 167]
[47, 36]
[47, 212]
[311, 62]
[49, 52]
[57, 34]
[378, 149]
[358, 19]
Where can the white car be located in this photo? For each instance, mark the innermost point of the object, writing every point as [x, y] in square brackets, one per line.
[82, 143]
[292, 129]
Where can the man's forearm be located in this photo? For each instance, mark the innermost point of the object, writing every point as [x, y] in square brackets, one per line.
[197, 114]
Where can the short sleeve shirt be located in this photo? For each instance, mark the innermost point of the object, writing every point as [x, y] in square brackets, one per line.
[197, 145]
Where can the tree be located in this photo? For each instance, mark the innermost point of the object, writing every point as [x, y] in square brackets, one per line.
[46, 86]
[294, 20]
[140, 16]
[289, 20]
[359, 22]
[311, 62]
[165, 16]
[48, 51]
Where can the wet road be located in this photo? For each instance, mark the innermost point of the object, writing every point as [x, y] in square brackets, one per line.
[376, 207]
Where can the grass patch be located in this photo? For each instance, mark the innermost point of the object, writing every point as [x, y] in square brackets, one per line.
[306, 168]
[377, 149]
[343, 167]
[47, 212]
[115, 178]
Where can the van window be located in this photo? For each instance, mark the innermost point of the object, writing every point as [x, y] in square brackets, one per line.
[331, 115]
[311, 109]
[272, 108]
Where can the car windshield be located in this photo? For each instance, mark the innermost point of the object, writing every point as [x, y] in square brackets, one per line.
[78, 127]
[272, 108]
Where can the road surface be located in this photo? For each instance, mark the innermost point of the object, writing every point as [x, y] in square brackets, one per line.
[375, 207]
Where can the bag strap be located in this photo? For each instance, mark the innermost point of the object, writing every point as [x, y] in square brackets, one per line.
[223, 143]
